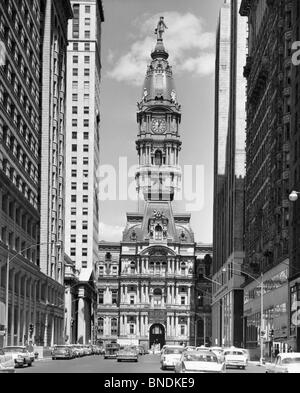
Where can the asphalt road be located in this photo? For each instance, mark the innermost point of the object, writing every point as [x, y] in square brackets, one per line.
[96, 364]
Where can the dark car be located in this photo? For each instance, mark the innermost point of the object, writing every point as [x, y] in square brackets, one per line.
[111, 351]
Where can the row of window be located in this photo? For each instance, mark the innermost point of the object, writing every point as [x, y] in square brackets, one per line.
[74, 186]
[17, 244]
[86, 72]
[85, 198]
[75, 134]
[85, 173]
[85, 161]
[87, 47]
[85, 211]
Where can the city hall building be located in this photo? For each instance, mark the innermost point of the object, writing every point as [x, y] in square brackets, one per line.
[146, 282]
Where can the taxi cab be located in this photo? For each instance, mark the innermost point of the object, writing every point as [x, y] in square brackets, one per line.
[7, 363]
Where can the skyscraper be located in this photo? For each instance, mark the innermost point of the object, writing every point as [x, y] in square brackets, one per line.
[82, 151]
[30, 292]
[230, 135]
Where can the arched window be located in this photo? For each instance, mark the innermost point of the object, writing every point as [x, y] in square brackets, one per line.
[114, 327]
[158, 233]
[157, 296]
[158, 158]
[132, 267]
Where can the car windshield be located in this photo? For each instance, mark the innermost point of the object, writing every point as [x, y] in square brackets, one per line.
[236, 353]
[200, 357]
[14, 349]
[173, 351]
[291, 361]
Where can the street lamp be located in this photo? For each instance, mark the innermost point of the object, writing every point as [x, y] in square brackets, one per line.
[8, 261]
[261, 283]
[294, 196]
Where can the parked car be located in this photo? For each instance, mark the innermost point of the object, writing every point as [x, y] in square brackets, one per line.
[199, 362]
[7, 363]
[62, 352]
[141, 350]
[285, 363]
[235, 358]
[128, 354]
[170, 357]
[20, 355]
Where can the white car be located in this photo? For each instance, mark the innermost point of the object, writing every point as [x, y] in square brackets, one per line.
[20, 355]
[235, 358]
[285, 363]
[170, 357]
[219, 352]
[199, 362]
[7, 363]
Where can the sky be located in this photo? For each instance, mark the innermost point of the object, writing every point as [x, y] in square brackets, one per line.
[127, 41]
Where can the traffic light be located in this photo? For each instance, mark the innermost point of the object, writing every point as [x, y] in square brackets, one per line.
[272, 334]
[31, 329]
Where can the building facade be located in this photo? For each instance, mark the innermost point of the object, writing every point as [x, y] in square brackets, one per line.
[229, 175]
[29, 294]
[157, 254]
[268, 162]
[82, 152]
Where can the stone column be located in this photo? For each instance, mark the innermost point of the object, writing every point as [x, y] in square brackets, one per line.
[19, 309]
[25, 321]
[81, 317]
[126, 294]
[189, 296]
[138, 325]
[46, 329]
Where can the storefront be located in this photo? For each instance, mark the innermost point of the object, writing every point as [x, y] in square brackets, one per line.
[294, 320]
[275, 312]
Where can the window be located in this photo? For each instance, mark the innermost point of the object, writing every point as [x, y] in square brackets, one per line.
[74, 173]
[158, 233]
[85, 211]
[86, 123]
[86, 148]
[86, 110]
[73, 211]
[74, 110]
[101, 296]
[75, 85]
[87, 46]
[87, 21]
[84, 264]
[73, 252]
[75, 59]
[75, 97]
[74, 148]
[74, 135]
[86, 72]
[183, 300]
[101, 322]
[85, 186]
[73, 238]
[131, 329]
[86, 85]
[101, 270]
[74, 186]
[84, 239]
[84, 252]
[73, 225]
[114, 327]
[87, 34]
[182, 330]
[75, 46]
[74, 122]
[85, 173]
[75, 71]
[85, 198]
[87, 9]
[73, 198]
[85, 161]
[86, 59]
[84, 225]
[132, 300]
[115, 270]
[85, 135]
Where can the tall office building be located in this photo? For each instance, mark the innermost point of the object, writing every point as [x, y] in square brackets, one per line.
[230, 135]
[268, 167]
[154, 301]
[31, 298]
[82, 153]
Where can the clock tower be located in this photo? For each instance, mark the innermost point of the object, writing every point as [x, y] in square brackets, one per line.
[158, 142]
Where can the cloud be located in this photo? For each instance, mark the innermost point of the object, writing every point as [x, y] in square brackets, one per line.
[191, 48]
[110, 233]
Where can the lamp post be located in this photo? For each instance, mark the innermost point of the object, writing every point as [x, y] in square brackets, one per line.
[261, 284]
[8, 262]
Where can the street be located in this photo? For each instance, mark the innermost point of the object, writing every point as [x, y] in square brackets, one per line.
[96, 364]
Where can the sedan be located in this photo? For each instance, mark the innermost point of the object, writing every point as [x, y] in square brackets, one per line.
[235, 358]
[20, 355]
[128, 354]
[199, 362]
[285, 363]
[170, 357]
[62, 352]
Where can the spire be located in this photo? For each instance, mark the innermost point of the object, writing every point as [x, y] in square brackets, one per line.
[160, 51]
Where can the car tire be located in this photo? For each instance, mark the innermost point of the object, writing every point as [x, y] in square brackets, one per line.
[53, 358]
[29, 364]
[163, 367]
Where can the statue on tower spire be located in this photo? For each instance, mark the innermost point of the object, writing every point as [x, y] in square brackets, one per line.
[161, 26]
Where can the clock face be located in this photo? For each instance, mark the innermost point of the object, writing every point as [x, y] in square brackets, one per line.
[159, 126]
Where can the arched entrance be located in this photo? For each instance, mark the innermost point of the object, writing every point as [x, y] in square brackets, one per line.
[157, 335]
